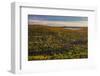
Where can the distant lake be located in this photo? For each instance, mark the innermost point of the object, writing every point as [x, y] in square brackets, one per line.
[72, 28]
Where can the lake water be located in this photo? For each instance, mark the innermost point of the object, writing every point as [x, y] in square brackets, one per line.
[72, 28]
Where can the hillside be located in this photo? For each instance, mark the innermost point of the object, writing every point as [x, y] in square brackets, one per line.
[46, 42]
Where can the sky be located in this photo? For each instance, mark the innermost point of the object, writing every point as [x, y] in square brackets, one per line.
[56, 18]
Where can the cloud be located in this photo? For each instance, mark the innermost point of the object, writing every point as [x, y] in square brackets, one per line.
[60, 23]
